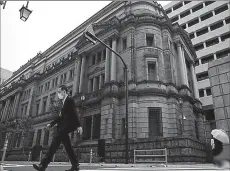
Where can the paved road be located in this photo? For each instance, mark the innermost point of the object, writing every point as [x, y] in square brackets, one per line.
[62, 167]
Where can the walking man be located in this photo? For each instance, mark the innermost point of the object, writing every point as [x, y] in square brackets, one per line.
[67, 121]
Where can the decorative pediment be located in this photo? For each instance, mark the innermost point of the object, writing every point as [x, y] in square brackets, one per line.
[98, 28]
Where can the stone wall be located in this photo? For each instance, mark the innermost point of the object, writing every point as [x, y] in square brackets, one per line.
[219, 74]
[179, 150]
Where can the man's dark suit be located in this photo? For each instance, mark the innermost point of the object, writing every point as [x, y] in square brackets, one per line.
[66, 123]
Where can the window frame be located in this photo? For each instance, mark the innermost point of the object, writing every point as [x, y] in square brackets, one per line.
[151, 60]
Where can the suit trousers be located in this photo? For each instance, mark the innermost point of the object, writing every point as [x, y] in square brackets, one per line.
[61, 137]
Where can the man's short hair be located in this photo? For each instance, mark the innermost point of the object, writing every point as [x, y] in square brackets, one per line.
[63, 87]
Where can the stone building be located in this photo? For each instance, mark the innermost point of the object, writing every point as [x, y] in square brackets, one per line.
[219, 74]
[160, 59]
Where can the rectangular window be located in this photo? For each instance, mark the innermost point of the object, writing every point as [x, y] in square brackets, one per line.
[48, 85]
[177, 6]
[64, 79]
[39, 133]
[53, 83]
[208, 2]
[197, 63]
[25, 110]
[199, 47]
[61, 81]
[103, 80]
[185, 14]
[87, 127]
[104, 54]
[91, 85]
[216, 25]
[207, 59]
[191, 23]
[44, 105]
[150, 40]
[106, 125]
[221, 9]
[200, 6]
[212, 42]
[227, 20]
[123, 126]
[37, 108]
[155, 122]
[222, 53]
[71, 74]
[202, 31]
[186, 2]
[151, 71]
[191, 35]
[31, 137]
[124, 43]
[225, 36]
[208, 91]
[46, 138]
[183, 26]
[201, 93]
[96, 126]
[206, 16]
[202, 76]
[174, 19]
[56, 81]
[93, 59]
[168, 11]
[98, 57]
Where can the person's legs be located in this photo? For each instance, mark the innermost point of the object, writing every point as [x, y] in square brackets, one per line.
[68, 147]
[52, 150]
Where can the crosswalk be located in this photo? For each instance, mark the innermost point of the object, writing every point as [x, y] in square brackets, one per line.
[12, 167]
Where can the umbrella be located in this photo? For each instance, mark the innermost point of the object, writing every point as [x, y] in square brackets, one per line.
[220, 135]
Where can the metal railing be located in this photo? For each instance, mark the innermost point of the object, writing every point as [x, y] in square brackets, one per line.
[165, 155]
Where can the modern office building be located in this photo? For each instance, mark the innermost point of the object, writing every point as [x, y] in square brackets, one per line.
[219, 73]
[164, 109]
[208, 25]
[4, 75]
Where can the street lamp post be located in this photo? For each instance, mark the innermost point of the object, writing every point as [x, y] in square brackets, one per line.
[90, 35]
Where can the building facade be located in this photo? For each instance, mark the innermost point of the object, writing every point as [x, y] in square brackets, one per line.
[219, 73]
[4, 75]
[162, 85]
[208, 25]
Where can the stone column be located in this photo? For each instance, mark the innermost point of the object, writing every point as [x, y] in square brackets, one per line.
[77, 76]
[5, 109]
[107, 65]
[16, 104]
[194, 81]
[100, 82]
[182, 65]
[94, 83]
[83, 64]
[114, 61]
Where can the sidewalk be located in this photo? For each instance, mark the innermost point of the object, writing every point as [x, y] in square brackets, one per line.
[172, 165]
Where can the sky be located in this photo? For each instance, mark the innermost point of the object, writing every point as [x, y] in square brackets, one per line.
[48, 23]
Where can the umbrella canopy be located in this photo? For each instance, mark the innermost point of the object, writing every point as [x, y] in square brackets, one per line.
[220, 135]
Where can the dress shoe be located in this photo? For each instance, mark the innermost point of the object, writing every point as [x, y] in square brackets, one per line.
[39, 167]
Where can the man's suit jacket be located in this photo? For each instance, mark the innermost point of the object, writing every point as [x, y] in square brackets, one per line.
[69, 115]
